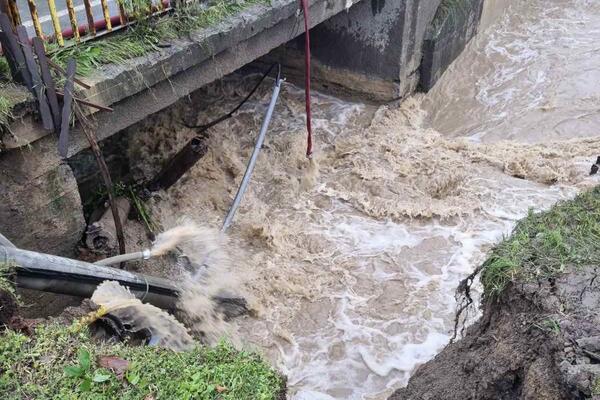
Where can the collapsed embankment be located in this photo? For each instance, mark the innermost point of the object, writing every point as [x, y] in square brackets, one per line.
[538, 337]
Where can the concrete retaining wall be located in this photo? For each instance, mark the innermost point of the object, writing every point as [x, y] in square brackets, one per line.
[40, 207]
[384, 49]
[453, 26]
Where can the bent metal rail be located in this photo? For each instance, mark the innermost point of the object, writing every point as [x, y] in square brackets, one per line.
[42, 11]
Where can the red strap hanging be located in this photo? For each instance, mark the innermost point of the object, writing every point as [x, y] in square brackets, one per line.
[309, 149]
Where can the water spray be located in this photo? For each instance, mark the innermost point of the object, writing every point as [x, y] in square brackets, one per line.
[165, 242]
[170, 239]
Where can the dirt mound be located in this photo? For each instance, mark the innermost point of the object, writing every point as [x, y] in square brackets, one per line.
[538, 340]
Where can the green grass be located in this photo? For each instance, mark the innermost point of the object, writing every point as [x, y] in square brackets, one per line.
[5, 111]
[546, 244]
[61, 363]
[146, 35]
[100, 196]
[596, 386]
[4, 69]
[11, 94]
[6, 285]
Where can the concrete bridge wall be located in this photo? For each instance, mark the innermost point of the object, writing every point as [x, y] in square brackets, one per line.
[373, 47]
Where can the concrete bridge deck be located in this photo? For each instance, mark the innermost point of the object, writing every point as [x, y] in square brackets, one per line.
[145, 85]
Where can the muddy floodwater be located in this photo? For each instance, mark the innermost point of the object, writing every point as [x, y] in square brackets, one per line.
[351, 260]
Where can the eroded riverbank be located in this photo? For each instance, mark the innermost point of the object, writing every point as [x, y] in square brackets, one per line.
[350, 261]
[354, 260]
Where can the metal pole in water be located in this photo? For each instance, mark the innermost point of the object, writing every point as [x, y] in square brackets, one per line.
[250, 168]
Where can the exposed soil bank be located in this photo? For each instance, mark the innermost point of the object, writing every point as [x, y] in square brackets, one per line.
[538, 337]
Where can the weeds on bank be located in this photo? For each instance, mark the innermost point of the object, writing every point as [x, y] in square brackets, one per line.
[11, 94]
[547, 243]
[147, 34]
[596, 386]
[5, 111]
[548, 325]
[6, 285]
[122, 190]
[4, 69]
[60, 363]
[5, 103]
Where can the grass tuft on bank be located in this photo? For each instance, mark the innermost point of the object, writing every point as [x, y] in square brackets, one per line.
[546, 244]
[6, 284]
[11, 94]
[60, 362]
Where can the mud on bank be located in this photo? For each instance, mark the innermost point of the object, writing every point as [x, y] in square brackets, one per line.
[539, 336]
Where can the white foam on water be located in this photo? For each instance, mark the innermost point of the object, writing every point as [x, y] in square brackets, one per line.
[354, 259]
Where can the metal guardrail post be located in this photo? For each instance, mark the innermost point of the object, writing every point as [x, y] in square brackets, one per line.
[73, 19]
[122, 14]
[56, 23]
[14, 12]
[128, 13]
[90, 18]
[35, 18]
[106, 14]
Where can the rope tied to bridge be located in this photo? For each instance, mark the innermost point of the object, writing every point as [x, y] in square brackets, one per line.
[309, 142]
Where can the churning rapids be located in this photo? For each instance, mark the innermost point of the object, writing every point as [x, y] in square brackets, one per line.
[352, 261]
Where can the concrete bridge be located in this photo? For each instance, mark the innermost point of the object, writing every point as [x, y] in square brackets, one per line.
[381, 49]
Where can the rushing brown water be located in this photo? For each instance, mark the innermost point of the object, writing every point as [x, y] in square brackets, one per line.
[352, 261]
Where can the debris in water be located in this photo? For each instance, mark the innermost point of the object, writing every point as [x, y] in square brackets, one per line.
[595, 167]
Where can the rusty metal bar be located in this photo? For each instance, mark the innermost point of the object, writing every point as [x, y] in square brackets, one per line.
[90, 17]
[35, 18]
[60, 69]
[87, 103]
[14, 13]
[56, 23]
[73, 19]
[122, 13]
[106, 14]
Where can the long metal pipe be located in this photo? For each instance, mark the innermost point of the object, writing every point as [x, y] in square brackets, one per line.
[5, 242]
[62, 275]
[250, 168]
[138, 255]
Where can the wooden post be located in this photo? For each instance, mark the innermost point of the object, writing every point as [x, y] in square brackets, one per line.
[105, 175]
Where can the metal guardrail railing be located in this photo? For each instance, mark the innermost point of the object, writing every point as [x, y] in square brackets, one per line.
[58, 20]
